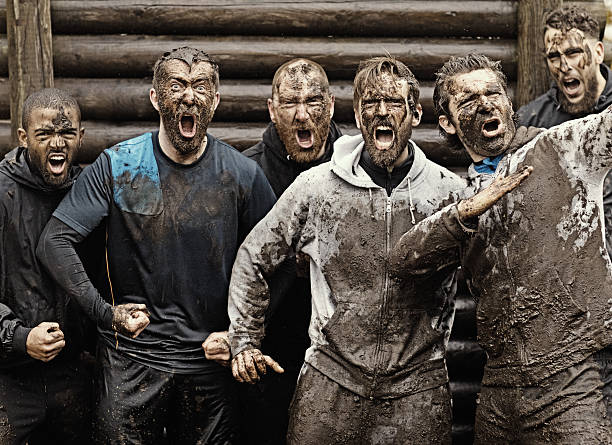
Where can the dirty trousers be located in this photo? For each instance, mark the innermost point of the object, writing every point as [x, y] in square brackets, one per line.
[323, 412]
[565, 408]
[47, 403]
[136, 403]
[604, 360]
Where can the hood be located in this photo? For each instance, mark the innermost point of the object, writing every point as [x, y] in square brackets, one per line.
[272, 140]
[15, 166]
[522, 136]
[345, 162]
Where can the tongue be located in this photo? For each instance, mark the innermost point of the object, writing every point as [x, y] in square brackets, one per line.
[384, 136]
[187, 126]
[303, 136]
[56, 167]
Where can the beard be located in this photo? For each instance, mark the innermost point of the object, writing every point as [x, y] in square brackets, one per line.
[472, 136]
[316, 131]
[173, 122]
[588, 100]
[386, 158]
[40, 164]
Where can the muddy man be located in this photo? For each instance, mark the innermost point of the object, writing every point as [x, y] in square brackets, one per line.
[536, 260]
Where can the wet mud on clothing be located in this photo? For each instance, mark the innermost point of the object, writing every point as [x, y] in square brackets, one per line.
[288, 315]
[136, 403]
[566, 408]
[47, 403]
[323, 412]
[173, 232]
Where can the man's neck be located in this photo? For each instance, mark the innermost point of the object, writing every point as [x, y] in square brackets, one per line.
[601, 83]
[180, 158]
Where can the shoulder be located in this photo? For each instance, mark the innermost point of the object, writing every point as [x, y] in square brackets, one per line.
[538, 111]
[255, 152]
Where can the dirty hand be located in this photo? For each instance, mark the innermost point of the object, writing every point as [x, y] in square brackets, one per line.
[45, 341]
[483, 200]
[250, 364]
[130, 319]
[216, 347]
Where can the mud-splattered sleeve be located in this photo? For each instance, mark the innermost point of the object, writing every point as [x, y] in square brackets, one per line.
[276, 237]
[432, 245]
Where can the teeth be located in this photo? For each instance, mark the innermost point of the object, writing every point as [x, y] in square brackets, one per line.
[57, 158]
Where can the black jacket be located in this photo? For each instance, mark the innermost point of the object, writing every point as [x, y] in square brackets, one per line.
[28, 295]
[545, 112]
[289, 310]
[272, 157]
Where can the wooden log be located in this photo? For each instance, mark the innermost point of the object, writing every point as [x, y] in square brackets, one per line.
[288, 18]
[30, 64]
[258, 57]
[241, 100]
[100, 135]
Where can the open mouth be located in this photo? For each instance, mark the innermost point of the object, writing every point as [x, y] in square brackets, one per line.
[56, 163]
[492, 127]
[383, 137]
[571, 86]
[187, 125]
[304, 138]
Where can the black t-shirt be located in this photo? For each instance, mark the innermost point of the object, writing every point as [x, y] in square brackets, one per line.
[172, 251]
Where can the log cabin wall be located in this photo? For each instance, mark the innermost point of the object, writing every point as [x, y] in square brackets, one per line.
[104, 51]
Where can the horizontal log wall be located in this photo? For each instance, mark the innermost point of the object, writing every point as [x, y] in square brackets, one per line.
[104, 51]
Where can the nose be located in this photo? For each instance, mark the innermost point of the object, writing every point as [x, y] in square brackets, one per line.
[485, 105]
[57, 141]
[564, 66]
[382, 108]
[188, 95]
[300, 113]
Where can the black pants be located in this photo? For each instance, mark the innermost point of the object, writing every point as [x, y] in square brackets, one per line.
[137, 403]
[604, 360]
[323, 412]
[47, 403]
[566, 408]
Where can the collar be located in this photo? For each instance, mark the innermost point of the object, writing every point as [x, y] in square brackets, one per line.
[488, 165]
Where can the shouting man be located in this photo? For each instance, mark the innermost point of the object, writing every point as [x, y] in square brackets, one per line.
[300, 136]
[375, 369]
[45, 385]
[536, 261]
[177, 204]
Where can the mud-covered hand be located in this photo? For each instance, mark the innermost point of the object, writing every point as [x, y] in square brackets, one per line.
[216, 347]
[130, 319]
[483, 200]
[249, 365]
[45, 341]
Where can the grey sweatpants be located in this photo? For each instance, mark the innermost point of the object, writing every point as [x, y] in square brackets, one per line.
[323, 412]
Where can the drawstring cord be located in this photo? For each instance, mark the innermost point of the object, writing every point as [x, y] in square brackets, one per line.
[110, 283]
[411, 204]
[371, 205]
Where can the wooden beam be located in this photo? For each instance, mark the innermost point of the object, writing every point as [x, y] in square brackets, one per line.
[30, 53]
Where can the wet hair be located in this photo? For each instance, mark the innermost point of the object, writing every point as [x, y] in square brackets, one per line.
[445, 76]
[371, 69]
[573, 17]
[189, 56]
[305, 66]
[52, 98]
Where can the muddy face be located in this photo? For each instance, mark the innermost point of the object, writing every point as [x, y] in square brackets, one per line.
[186, 101]
[301, 110]
[52, 139]
[571, 59]
[386, 119]
[481, 113]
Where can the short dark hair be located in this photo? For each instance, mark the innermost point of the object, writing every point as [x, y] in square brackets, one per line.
[189, 56]
[573, 17]
[454, 67]
[305, 63]
[370, 69]
[52, 98]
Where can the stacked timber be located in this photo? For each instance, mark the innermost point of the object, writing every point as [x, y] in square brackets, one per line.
[104, 51]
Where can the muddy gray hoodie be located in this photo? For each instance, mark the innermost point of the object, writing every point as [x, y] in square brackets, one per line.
[537, 262]
[375, 336]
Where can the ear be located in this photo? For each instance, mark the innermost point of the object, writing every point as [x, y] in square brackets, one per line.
[358, 114]
[599, 52]
[22, 136]
[446, 124]
[153, 98]
[331, 108]
[81, 136]
[271, 111]
[417, 115]
[217, 100]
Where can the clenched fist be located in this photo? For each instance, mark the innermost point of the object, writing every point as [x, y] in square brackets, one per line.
[45, 341]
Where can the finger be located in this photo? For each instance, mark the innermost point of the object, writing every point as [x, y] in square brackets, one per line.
[273, 364]
[249, 364]
[50, 348]
[235, 372]
[260, 362]
[140, 326]
[49, 325]
[53, 337]
[242, 370]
